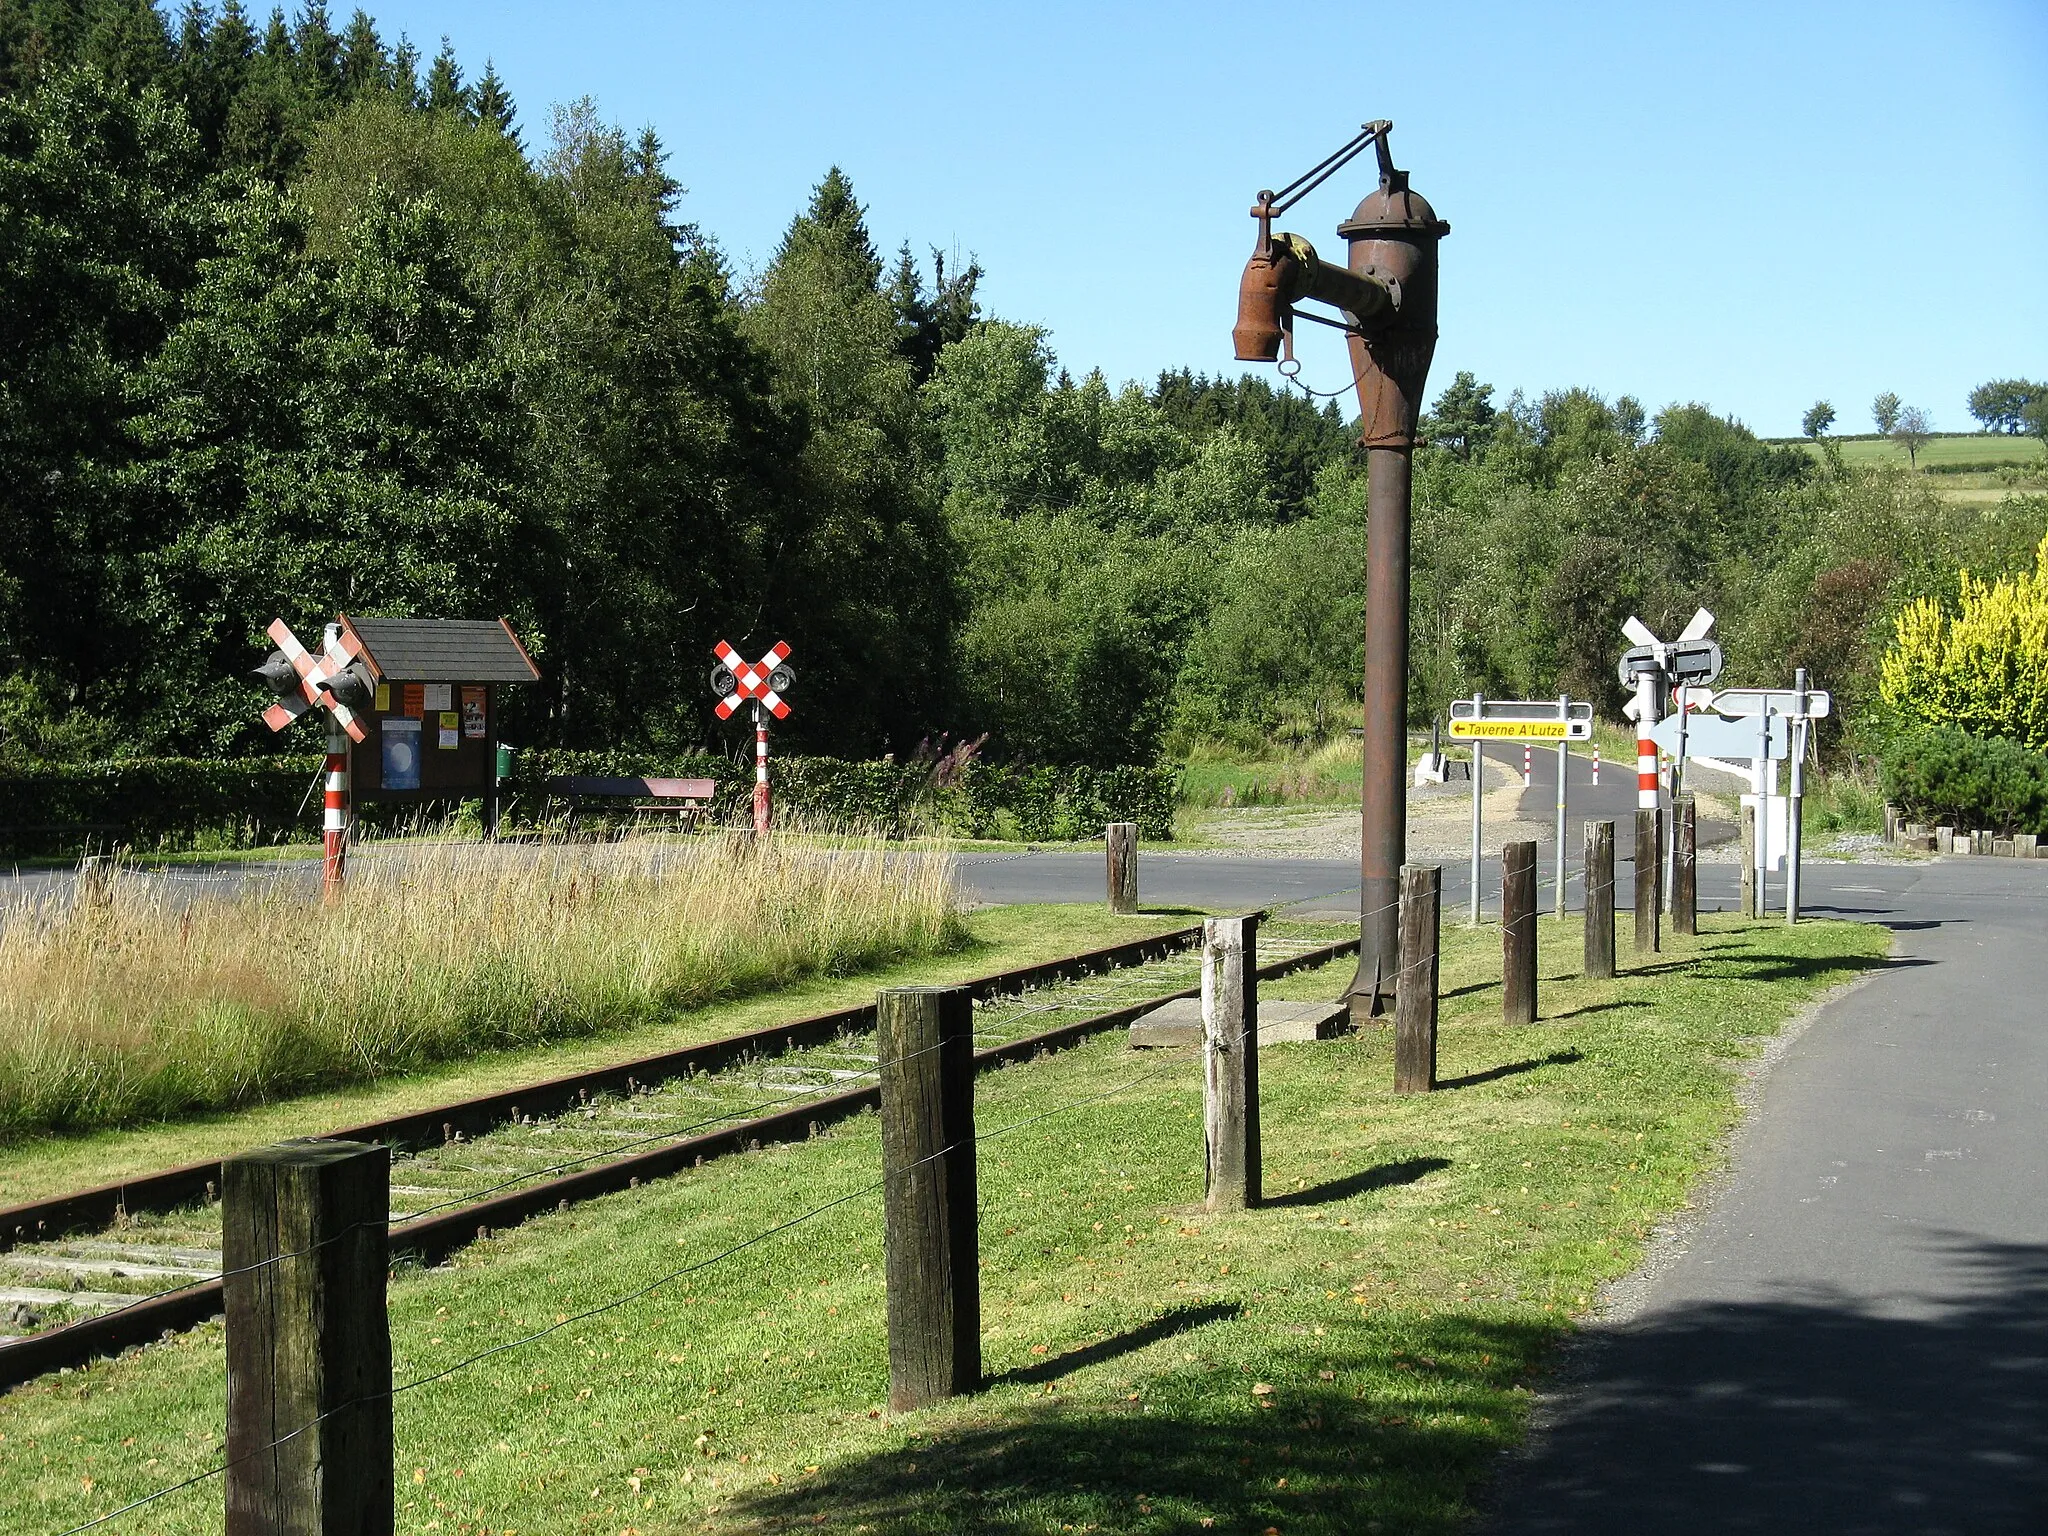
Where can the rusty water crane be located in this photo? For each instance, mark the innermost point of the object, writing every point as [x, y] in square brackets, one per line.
[1385, 295]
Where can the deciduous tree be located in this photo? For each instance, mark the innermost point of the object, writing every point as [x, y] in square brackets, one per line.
[2001, 405]
[1911, 432]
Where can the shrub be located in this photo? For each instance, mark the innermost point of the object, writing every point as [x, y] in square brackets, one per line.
[894, 799]
[1983, 669]
[1972, 782]
[145, 802]
[167, 802]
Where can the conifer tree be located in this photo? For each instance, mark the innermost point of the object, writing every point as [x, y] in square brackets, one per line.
[928, 322]
[405, 72]
[319, 54]
[490, 103]
[277, 39]
[835, 226]
[126, 39]
[445, 90]
[363, 61]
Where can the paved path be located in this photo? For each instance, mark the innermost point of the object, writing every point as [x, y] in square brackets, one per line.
[1854, 1338]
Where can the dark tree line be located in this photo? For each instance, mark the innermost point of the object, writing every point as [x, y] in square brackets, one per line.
[292, 322]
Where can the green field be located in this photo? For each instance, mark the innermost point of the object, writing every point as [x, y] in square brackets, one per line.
[1352, 1357]
[1970, 468]
[1942, 452]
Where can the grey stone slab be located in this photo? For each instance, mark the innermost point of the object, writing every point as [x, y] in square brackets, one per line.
[52, 1264]
[38, 1296]
[1179, 1023]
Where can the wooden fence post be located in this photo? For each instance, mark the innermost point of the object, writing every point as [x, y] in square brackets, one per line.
[1415, 988]
[1749, 906]
[303, 1257]
[1121, 838]
[1518, 933]
[1600, 900]
[1685, 886]
[1230, 1062]
[930, 1240]
[1649, 876]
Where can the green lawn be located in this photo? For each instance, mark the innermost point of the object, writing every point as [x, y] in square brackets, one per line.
[1349, 1358]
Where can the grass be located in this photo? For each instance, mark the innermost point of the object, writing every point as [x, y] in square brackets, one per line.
[1329, 773]
[997, 938]
[1965, 468]
[1218, 776]
[1349, 1358]
[1940, 452]
[1842, 800]
[136, 1007]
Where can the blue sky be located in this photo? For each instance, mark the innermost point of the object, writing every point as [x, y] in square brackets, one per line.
[1746, 204]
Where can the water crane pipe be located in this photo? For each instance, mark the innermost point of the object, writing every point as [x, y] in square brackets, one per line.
[1386, 294]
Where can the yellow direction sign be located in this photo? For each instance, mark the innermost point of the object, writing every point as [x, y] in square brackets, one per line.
[1482, 719]
[1520, 730]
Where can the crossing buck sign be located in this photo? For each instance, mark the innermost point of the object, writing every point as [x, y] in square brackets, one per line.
[332, 680]
[764, 683]
[338, 681]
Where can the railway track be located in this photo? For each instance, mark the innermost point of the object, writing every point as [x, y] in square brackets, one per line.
[104, 1270]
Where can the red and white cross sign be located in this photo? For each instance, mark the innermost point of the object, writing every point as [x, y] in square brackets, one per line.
[316, 673]
[755, 679]
[340, 649]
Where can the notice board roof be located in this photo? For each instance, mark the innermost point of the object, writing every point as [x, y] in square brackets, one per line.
[444, 650]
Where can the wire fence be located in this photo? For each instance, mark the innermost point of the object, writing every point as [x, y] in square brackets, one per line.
[642, 1291]
[1154, 1073]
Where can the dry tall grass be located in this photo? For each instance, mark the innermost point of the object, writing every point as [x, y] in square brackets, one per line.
[132, 1004]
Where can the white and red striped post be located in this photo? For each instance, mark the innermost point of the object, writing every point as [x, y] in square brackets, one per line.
[760, 770]
[334, 815]
[1596, 765]
[1528, 765]
[1646, 746]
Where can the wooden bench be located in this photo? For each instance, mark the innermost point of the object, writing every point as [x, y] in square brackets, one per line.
[685, 799]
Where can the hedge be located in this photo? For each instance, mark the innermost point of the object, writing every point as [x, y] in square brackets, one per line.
[156, 801]
[1974, 783]
[984, 799]
[178, 802]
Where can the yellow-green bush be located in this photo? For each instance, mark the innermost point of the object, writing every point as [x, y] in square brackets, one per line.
[1982, 668]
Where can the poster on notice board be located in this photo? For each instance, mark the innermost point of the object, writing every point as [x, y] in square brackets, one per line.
[399, 743]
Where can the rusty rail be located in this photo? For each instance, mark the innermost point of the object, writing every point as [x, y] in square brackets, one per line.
[434, 1238]
[170, 1188]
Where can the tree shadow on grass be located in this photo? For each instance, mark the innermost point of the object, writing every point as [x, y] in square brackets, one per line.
[1363, 1448]
[1511, 1069]
[1467, 990]
[1618, 1005]
[1768, 968]
[1385, 1176]
[1131, 1340]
